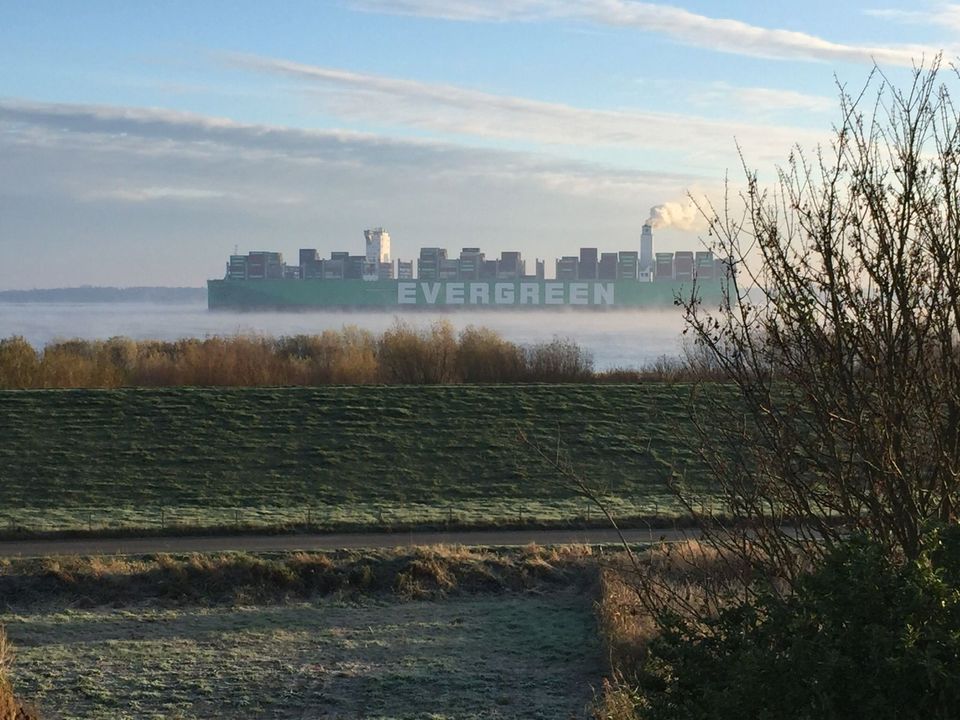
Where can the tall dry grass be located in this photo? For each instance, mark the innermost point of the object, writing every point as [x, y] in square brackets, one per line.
[10, 707]
[403, 354]
[688, 578]
[421, 572]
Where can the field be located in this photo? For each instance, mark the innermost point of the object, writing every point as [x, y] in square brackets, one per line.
[335, 457]
[467, 657]
[480, 634]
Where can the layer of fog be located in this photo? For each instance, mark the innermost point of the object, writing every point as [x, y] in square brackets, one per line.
[616, 339]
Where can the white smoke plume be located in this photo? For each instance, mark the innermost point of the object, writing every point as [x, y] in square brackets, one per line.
[680, 215]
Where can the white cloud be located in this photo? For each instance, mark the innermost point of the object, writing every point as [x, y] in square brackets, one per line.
[152, 193]
[721, 34]
[453, 110]
[942, 15]
[469, 10]
[772, 99]
[100, 195]
[184, 137]
[763, 101]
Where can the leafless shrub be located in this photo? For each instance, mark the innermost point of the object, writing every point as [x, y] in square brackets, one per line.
[347, 357]
[559, 361]
[404, 354]
[840, 337]
[18, 363]
[695, 363]
[483, 356]
[409, 356]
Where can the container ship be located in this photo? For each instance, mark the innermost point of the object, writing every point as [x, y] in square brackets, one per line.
[261, 280]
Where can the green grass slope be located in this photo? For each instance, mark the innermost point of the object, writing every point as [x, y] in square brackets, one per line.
[334, 456]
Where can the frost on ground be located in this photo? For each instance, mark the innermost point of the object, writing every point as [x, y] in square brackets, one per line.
[499, 656]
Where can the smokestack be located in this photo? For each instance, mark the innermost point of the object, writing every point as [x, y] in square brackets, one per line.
[646, 247]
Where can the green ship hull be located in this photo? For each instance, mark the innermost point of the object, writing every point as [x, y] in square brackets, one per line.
[448, 295]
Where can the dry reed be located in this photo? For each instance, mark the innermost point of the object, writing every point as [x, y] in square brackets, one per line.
[402, 354]
[689, 578]
[10, 707]
[424, 572]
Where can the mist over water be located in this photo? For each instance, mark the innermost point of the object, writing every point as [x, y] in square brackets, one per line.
[616, 339]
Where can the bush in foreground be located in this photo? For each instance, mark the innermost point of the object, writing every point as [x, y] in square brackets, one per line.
[862, 636]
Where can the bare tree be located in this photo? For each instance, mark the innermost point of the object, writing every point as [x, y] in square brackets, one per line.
[839, 334]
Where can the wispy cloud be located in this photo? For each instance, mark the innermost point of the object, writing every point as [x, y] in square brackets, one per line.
[458, 111]
[763, 101]
[91, 191]
[187, 137]
[154, 193]
[469, 10]
[943, 15]
[721, 34]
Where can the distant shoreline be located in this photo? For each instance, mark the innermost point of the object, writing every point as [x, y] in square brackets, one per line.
[171, 295]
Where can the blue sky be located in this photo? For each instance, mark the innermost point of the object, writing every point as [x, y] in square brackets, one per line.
[141, 141]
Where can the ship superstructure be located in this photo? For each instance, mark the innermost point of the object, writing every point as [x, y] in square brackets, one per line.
[627, 278]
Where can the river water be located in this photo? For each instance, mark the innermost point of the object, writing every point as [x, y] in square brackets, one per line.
[615, 338]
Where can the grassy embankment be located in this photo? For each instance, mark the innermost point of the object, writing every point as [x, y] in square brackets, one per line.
[435, 632]
[336, 458]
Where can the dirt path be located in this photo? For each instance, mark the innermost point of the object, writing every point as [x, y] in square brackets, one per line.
[267, 543]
